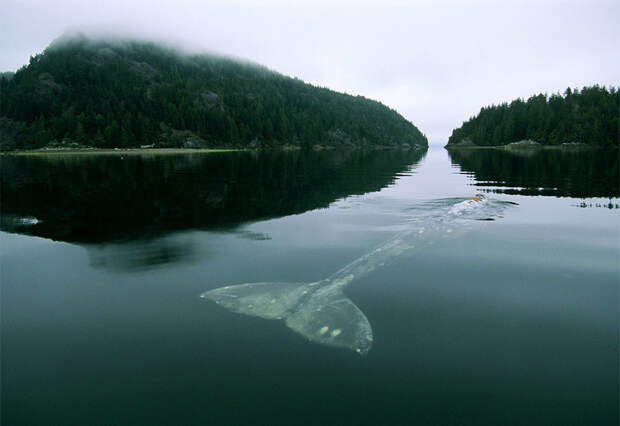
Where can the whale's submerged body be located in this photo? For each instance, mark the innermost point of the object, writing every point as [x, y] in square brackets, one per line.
[320, 311]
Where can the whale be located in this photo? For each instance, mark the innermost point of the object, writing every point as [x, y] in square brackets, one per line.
[320, 311]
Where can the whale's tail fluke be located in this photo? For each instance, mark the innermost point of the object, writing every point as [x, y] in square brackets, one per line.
[321, 313]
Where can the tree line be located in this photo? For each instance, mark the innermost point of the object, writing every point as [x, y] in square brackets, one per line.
[587, 116]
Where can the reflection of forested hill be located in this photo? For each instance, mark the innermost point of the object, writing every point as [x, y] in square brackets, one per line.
[582, 173]
[106, 198]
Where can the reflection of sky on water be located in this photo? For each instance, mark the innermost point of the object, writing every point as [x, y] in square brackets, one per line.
[524, 305]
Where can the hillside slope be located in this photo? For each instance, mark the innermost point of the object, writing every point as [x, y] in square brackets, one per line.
[130, 93]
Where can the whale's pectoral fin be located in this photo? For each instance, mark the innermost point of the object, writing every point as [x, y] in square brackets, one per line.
[264, 300]
[331, 318]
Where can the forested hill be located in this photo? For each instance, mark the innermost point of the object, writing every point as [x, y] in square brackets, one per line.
[589, 116]
[131, 93]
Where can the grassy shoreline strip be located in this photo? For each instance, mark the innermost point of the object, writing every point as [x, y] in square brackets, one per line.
[128, 151]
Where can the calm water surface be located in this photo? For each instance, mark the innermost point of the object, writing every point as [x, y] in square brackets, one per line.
[512, 321]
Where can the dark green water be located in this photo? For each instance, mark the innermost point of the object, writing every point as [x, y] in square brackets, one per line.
[512, 321]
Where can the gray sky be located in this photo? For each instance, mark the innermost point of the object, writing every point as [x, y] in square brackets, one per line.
[435, 62]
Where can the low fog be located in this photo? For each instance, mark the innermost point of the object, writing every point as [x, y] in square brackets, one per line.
[436, 62]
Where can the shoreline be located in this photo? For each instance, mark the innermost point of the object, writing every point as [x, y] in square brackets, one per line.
[530, 147]
[172, 151]
[123, 151]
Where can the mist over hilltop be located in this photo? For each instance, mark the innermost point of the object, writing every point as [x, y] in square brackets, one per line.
[119, 92]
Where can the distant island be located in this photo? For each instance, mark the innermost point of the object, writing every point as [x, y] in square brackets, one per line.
[93, 93]
[586, 118]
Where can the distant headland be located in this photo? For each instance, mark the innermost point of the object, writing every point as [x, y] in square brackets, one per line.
[577, 119]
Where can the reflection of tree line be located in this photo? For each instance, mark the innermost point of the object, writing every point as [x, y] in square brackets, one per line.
[608, 205]
[581, 174]
[107, 198]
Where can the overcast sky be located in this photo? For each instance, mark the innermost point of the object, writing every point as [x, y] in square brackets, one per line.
[435, 62]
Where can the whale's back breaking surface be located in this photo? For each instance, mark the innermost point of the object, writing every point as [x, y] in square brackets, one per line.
[467, 206]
